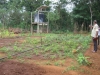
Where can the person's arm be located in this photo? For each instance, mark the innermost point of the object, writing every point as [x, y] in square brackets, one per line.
[91, 26]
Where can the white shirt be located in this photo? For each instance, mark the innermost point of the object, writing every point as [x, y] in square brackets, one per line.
[94, 30]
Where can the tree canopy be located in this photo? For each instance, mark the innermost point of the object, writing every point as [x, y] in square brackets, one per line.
[17, 13]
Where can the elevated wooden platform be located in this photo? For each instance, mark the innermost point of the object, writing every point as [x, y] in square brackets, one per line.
[41, 26]
[43, 23]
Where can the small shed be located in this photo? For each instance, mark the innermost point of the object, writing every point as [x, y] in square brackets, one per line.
[40, 19]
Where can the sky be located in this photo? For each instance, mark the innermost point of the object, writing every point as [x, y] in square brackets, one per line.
[68, 7]
[57, 0]
[54, 0]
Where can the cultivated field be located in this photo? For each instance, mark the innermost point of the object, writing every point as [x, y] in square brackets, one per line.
[47, 54]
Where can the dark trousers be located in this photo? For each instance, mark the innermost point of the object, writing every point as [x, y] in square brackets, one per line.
[95, 44]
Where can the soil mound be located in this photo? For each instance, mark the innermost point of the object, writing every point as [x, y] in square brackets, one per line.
[16, 68]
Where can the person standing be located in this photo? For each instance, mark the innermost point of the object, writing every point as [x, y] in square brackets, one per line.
[98, 35]
[94, 35]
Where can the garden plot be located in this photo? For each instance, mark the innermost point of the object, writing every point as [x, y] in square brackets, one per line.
[52, 46]
[62, 52]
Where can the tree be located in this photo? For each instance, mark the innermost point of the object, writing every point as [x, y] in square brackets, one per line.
[3, 12]
[81, 12]
[31, 5]
[64, 21]
[53, 17]
[85, 11]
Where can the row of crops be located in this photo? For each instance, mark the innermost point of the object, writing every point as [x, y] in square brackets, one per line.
[50, 46]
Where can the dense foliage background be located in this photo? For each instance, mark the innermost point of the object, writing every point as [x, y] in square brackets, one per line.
[17, 13]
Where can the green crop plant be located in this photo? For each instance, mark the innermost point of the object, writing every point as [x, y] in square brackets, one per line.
[9, 56]
[32, 41]
[82, 59]
[56, 63]
[36, 52]
[48, 48]
[53, 57]
[15, 48]
[59, 62]
[4, 49]
[5, 33]
[72, 68]
[54, 49]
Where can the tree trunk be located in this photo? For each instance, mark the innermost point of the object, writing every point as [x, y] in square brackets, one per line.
[91, 13]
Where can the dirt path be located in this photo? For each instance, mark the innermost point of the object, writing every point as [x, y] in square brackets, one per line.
[94, 69]
[11, 67]
[8, 41]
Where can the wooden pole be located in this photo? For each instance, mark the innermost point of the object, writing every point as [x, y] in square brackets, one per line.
[48, 23]
[38, 23]
[31, 24]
